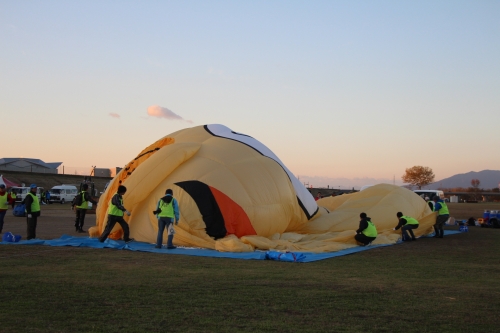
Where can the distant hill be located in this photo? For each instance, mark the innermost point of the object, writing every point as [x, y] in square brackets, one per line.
[489, 179]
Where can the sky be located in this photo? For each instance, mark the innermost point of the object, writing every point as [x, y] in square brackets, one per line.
[345, 93]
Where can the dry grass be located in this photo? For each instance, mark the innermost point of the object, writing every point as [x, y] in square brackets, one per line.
[432, 285]
[462, 211]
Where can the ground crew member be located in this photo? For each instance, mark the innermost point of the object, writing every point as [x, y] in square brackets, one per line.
[115, 215]
[166, 210]
[407, 224]
[5, 200]
[32, 210]
[443, 216]
[367, 232]
[81, 209]
[42, 198]
[430, 203]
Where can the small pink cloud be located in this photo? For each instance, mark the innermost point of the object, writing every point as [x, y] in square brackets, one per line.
[161, 112]
[114, 115]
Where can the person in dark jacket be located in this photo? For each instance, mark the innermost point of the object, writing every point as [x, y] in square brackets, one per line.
[407, 224]
[81, 209]
[32, 211]
[430, 203]
[115, 215]
[367, 232]
[166, 211]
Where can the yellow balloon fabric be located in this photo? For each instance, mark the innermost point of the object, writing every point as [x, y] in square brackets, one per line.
[235, 195]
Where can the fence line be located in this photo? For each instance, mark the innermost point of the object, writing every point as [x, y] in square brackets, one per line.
[69, 170]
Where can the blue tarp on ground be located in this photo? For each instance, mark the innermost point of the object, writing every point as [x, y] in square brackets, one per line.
[67, 240]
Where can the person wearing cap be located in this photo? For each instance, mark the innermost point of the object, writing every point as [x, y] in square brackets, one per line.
[32, 211]
[115, 215]
[81, 209]
[407, 224]
[6, 199]
[166, 211]
[367, 232]
[443, 216]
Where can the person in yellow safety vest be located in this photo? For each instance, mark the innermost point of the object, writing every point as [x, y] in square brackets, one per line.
[32, 210]
[407, 224]
[367, 232]
[81, 209]
[5, 200]
[166, 211]
[115, 215]
[430, 203]
[443, 216]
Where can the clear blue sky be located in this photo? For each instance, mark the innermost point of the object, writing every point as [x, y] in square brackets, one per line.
[337, 89]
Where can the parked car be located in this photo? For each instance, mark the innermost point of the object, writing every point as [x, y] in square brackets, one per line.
[22, 191]
[430, 193]
[63, 193]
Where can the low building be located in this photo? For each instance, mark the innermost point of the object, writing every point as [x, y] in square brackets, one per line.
[28, 165]
[106, 172]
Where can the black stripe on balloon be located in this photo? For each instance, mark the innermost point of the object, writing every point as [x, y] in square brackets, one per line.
[207, 205]
[243, 143]
[246, 144]
[305, 210]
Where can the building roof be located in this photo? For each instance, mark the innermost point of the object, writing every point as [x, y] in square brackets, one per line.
[9, 160]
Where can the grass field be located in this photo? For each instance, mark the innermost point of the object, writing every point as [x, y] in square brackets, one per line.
[431, 285]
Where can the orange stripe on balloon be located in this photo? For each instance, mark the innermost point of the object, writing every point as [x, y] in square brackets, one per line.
[236, 220]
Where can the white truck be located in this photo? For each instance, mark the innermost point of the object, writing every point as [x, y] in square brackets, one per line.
[429, 193]
[63, 193]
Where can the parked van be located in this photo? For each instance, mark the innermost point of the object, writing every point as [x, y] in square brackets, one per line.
[63, 193]
[22, 191]
[430, 193]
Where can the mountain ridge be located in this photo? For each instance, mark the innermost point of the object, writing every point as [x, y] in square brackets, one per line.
[488, 179]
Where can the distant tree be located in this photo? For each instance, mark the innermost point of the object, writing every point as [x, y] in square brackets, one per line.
[475, 183]
[418, 176]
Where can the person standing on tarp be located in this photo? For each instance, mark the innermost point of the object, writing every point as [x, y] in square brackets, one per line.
[5, 200]
[443, 216]
[367, 232]
[166, 210]
[407, 224]
[32, 211]
[115, 215]
[80, 205]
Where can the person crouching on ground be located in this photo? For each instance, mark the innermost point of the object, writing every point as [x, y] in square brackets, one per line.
[407, 224]
[166, 210]
[32, 211]
[115, 215]
[443, 216]
[5, 200]
[81, 209]
[367, 231]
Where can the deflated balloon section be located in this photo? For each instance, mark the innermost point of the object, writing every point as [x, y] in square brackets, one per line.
[235, 195]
